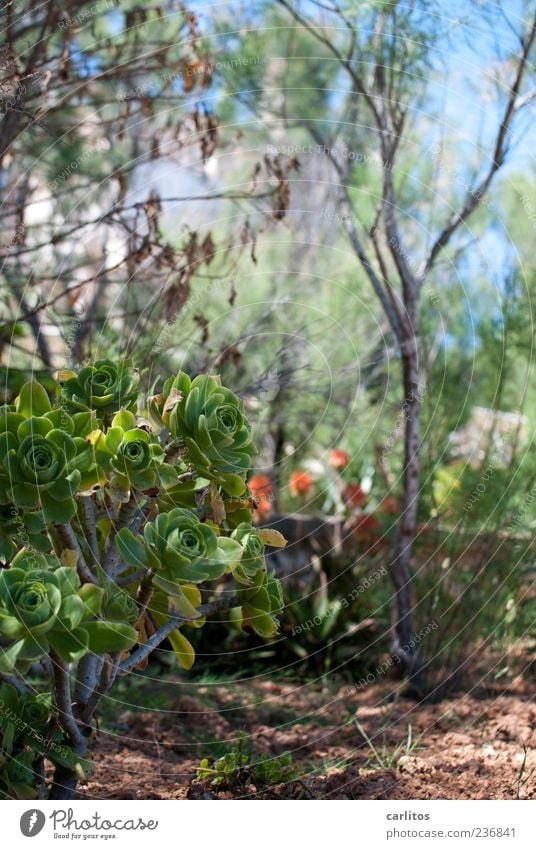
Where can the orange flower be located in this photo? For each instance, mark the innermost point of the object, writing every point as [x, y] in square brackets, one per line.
[300, 483]
[263, 510]
[261, 490]
[353, 496]
[260, 486]
[338, 459]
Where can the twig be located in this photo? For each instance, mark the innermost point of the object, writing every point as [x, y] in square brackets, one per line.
[173, 623]
[474, 197]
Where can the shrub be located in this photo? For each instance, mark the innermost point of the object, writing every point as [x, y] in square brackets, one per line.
[115, 509]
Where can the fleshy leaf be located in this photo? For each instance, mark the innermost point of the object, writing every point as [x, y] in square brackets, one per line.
[184, 651]
[270, 536]
[105, 637]
[33, 400]
[131, 548]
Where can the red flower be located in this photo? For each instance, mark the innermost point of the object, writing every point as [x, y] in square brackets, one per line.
[389, 506]
[300, 483]
[353, 496]
[338, 459]
[367, 528]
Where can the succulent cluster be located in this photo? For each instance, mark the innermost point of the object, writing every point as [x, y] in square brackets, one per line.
[123, 521]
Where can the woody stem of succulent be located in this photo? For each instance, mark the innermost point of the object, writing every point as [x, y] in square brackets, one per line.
[65, 779]
[67, 538]
[174, 622]
[102, 688]
[15, 682]
[141, 516]
[62, 697]
[132, 578]
[145, 594]
[127, 513]
[87, 677]
[39, 770]
[89, 524]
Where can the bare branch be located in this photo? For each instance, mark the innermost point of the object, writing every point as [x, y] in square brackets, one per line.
[346, 64]
[68, 539]
[473, 199]
[225, 603]
[62, 696]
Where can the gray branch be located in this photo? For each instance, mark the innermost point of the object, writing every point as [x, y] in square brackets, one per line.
[68, 539]
[497, 160]
[175, 622]
[62, 697]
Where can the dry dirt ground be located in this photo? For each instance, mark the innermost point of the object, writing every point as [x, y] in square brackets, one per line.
[469, 746]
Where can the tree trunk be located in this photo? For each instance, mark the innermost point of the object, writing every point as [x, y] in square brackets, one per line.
[400, 565]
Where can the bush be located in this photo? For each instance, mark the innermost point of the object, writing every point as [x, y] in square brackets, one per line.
[116, 507]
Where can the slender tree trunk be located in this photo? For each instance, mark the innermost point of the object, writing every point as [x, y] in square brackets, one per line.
[400, 564]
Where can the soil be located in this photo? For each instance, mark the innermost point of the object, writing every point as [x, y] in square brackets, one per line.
[470, 746]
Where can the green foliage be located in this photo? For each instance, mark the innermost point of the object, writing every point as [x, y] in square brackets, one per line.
[210, 422]
[21, 527]
[39, 447]
[104, 387]
[43, 610]
[389, 756]
[28, 732]
[97, 556]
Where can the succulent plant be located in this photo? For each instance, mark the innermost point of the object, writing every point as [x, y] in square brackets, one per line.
[39, 447]
[179, 547]
[117, 514]
[46, 609]
[209, 420]
[132, 455]
[21, 528]
[262, 602]
[28, 731]
[105, 387]
[252, 559]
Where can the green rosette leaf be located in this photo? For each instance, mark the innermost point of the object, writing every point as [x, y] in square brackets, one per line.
[210, 421]
[186, 549]
[252, 560]
[39, 467]
[104, 387]
[30, 602]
